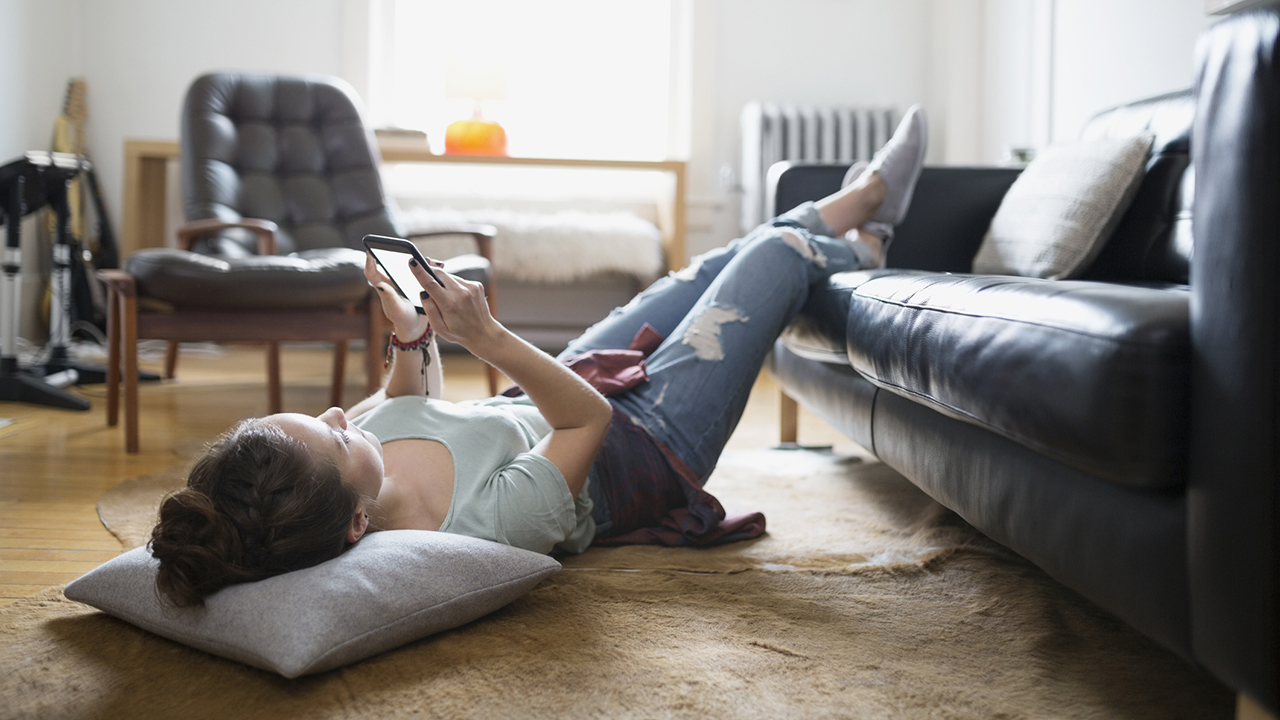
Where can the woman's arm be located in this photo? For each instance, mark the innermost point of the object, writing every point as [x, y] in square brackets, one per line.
[415, 372]
[412, 372]
[579, 416]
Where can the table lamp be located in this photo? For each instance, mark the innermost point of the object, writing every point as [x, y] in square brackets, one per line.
[477, 78]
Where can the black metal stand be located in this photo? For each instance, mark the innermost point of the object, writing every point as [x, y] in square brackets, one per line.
[17, 386]
[27, 185]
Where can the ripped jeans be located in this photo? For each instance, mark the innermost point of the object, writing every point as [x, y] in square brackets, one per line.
[720, 317]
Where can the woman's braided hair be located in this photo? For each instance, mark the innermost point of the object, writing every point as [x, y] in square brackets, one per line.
[257, 504]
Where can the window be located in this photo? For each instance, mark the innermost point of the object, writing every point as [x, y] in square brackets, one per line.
[574, 78]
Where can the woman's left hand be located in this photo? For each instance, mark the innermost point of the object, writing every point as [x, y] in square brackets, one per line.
[409, 324]
[458, 309]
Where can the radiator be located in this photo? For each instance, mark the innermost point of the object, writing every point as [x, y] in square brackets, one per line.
[774, 132]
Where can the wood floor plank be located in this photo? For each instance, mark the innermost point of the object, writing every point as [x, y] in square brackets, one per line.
[19, 591]
[58, 554]
[55, 533]
[57, 543]
[47, 566]
[36, 523]
[43, 579]
[45, 510]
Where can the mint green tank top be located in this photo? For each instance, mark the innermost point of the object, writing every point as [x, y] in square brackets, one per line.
[501, 491]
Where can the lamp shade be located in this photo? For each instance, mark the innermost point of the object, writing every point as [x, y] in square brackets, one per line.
[474, 75]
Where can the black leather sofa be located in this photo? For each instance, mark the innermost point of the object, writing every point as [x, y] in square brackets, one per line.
[1121, 430]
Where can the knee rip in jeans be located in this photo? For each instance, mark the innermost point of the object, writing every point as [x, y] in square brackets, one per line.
[806, 248]
[703, 334]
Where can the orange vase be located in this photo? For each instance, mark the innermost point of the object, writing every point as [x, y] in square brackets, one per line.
[475, 137]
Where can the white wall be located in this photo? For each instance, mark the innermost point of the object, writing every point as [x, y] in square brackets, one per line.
[13, 77]
[1050, 65]
[1108, 52]
[39, 51]
[809, 51]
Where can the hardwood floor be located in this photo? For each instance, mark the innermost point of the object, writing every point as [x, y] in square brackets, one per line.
[54, 464]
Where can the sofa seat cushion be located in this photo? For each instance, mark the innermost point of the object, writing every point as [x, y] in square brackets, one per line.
[312, 279]
[1092, 374]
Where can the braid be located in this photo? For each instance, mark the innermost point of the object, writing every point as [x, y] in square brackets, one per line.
[257, 504]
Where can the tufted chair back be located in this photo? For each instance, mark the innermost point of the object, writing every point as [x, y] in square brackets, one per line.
[293, 150]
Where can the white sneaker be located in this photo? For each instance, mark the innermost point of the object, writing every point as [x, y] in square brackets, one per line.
[882, 230]
[899, 162]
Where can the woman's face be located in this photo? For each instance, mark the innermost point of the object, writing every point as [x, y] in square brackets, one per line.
[357, 454]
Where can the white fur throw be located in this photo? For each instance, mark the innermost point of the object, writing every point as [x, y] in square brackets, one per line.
[549, 247]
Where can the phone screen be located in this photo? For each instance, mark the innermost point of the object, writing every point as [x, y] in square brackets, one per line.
[396, 266]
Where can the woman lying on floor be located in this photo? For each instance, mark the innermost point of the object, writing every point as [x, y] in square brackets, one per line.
[559, 468]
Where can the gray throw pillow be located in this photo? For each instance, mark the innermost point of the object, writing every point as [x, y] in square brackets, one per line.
[390, 588]
[1063, 208]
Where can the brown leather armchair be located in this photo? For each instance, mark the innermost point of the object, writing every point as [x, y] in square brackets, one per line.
[280, 182]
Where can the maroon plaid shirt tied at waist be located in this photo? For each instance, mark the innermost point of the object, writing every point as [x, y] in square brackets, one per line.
[653, 497]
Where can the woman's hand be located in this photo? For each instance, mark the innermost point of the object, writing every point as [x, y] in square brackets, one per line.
[578, 415]
[458, 311]
[409, 324]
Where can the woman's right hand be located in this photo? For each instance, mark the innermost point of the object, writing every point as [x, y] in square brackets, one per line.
[409, 324]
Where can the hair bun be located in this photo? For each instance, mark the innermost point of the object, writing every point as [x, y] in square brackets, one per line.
[197, 547]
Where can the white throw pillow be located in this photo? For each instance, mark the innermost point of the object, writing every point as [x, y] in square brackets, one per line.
[1063, 208]
[390, 588]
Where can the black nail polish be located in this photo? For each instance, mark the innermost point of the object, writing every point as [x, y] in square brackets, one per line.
[413, 263]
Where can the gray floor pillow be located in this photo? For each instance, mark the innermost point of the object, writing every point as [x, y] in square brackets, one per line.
[390, 588]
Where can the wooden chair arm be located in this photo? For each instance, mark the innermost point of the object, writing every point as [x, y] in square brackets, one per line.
[481, 233]
[264, 230]
[119, 281]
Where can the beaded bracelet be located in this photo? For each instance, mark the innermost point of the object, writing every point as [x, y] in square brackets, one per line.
[419, 344]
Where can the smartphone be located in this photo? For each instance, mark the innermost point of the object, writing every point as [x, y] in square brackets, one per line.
[393, 255]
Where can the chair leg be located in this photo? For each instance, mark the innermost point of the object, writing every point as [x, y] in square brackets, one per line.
[113, 357]
[493, 379]
[129, 350]
[171, 359]
[790, 419]
[339, 371]
[274, 400]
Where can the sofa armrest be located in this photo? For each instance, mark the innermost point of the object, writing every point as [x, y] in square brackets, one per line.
[950, 211]
[1233, 491]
